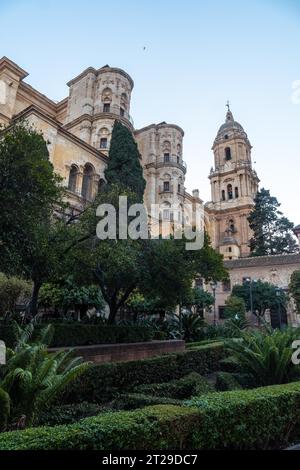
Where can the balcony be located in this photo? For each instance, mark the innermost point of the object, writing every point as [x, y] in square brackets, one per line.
[116, 110]
[171, 161]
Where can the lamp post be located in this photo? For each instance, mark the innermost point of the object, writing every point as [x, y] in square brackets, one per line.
[251, 282]
[214, 287]
[278, 294]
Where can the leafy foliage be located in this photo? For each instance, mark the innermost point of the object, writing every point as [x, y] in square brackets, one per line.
[124, 163]
[32, 377]
[265, 296]
[294, 288]
[269, 417]
[12, 290]
[103, 382]
[266, 356]
[272, 232]
[4, 409]
[235, 307]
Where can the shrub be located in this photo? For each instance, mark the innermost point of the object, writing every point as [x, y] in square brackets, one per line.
[4, 409]
[245, 419]
[267, 357]
[12, 290]
[192, 384]
[227, 381]
[77, 334]
[68, 414]
[102, 382]
[235, 306]
[132, 401]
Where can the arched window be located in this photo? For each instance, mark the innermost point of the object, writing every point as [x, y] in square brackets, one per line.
[87, 181]
[231, 226]
[106, 99]
[229, 191]
[236, 192]
[73, 178]
[166, 211]
[223, 195]
[227, 153]
[104, 133]
[101, 184]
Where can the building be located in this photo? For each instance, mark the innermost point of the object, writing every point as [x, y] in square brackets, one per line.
[78, 131]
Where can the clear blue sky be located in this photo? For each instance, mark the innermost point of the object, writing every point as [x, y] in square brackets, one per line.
[198, 54]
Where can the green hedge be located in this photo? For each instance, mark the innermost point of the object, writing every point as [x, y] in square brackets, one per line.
[192, 384]
[102, 382]
[4, 409]
[132, 401]
[77, 334]
[227, 381]
[263, 418]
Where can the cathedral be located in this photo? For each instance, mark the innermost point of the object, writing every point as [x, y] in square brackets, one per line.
[78, 131]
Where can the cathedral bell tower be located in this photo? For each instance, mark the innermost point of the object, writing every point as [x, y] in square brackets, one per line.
[234, 185]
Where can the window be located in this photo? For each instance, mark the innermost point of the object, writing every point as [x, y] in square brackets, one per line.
[87, 181]
[101, 184]
[226, 286]
[179, 188]
[226, 137]
[223, 195]
[230, 250]
[222, 312]
[73, 178]
[229, 191]
[122, 112]
[231, 226]
[166, 157]
[106, 108]
[166, 186]
[178, 159]
[236, 192]
[166, 214]
[103, 143]
[227, 153]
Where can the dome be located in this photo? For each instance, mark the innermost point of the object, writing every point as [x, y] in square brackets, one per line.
[230, 127]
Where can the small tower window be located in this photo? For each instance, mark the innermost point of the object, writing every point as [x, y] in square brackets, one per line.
[227, 153]
[179, 188]
[226, 137]
[231, 226]
[103, 143]
[229, 191]
[106, 108]
[178, 159]
[223, 195]
[236, 192]
[166, 214]
[166, 186]
[166, 157]
[122, 112]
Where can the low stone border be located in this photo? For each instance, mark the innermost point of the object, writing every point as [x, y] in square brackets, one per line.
[101, 353]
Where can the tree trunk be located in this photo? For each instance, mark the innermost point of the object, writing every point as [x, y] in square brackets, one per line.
[34, 298]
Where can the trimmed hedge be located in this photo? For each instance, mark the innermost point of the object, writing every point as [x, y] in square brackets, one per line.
[263, 418]
[133, 401]
[192, 384]
[100, 383]
[79, 334]
[68, 414]
[227, 381]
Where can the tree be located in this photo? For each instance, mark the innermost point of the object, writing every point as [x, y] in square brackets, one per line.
[32, 239]
[197, 300]
[124, 164]
[235, 307]
[30, 191]
[265, 296]
[272, 232]
[294, 288]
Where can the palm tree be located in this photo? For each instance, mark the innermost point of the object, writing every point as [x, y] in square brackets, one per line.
[33, 377]
[266, 355]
